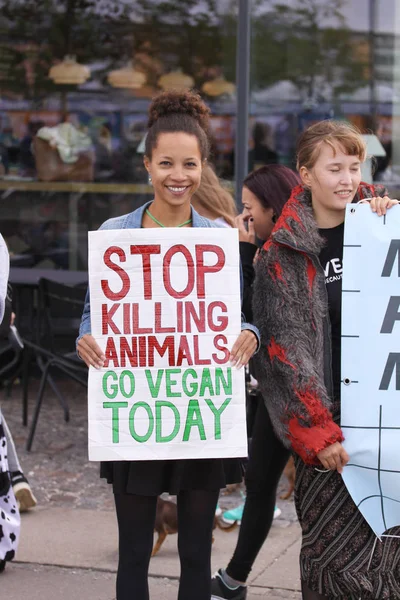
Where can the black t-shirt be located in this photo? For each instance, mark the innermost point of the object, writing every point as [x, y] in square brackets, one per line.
[331, 259]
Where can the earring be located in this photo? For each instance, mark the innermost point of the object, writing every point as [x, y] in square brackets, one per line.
[274, 218]
[150, 179]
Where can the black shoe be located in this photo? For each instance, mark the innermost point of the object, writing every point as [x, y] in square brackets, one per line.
[220, 591]
[2, 565]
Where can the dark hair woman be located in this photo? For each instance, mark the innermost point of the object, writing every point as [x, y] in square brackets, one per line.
[265, 192]
[297, 306]
[176, 151]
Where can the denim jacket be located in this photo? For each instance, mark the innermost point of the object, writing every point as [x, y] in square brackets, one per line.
[133, 220]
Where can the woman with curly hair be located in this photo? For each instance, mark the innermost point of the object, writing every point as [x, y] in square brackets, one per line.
[175, 155]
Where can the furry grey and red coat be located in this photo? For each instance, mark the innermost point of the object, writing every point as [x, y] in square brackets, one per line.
[290, 307]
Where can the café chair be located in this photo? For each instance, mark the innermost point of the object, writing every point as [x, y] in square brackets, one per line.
[59, 313]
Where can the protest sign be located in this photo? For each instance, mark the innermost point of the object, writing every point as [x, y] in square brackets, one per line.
[370, 414]
[165, 309]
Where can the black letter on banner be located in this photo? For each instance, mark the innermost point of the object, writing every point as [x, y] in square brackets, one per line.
[393, 362]
[392, 315]
[394, 250]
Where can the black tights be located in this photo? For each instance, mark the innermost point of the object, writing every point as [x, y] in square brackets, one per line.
[267, 459]
[136, 517]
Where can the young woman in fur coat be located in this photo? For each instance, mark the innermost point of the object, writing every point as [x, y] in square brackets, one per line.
[297, 307]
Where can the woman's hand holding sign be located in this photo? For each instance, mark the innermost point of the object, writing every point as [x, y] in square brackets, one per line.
[90, 352]
[334, 457]
[244, 348]
[379, 205]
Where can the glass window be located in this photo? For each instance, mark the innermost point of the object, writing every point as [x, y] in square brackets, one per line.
[317, 59]
[93, 66]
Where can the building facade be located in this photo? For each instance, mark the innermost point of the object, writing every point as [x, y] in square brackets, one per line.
[95, 64]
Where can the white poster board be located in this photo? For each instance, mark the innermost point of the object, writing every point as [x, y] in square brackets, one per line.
[371, 363]
[166, 310]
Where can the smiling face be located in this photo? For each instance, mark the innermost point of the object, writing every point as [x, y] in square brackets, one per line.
[333, 180]
[175, 168]
[262, 217]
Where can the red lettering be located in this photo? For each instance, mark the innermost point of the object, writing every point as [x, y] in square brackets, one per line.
[199, 319]
[203, 269]
[142, 351]
[135, 321]
[219, 340]
[127, 318]
[184, 352]
[220, 323]
[117, 269]
[197, 359]
[179, 319]
[129, 352]
[106, 319]
[161, 349]
[111, 353]
[146, 251]
[158, 328]
[167, 272]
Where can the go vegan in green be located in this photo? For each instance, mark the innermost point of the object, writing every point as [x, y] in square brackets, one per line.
[178, 383]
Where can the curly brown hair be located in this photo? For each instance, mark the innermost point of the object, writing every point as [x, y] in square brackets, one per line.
[175, 111]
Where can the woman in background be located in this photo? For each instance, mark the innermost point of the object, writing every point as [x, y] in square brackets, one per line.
[213, 201]
[265, 192]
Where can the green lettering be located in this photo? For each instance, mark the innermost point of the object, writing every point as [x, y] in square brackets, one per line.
[217, 412]
[226, 383]
[131, 378]
[165, 404]
[170, 382]
[112, 391]
[206, 383]
[194, 419]
[115, 406]
[192, 390]
[136, 436]
[154, 387]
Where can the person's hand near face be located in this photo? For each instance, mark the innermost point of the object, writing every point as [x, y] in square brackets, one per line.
[246, 234]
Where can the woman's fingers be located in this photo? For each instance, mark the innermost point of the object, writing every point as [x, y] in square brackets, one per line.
[90, 351]
[246, 234]
[334, 457]
[380, 205]
[243, 349]
[251, 232]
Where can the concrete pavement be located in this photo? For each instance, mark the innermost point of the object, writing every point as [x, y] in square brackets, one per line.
[68, 553]
[68, 548]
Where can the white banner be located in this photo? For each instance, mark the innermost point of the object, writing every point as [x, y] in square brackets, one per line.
[165, 309]
[371, 363]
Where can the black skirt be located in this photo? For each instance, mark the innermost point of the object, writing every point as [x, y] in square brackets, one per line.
[152, 478]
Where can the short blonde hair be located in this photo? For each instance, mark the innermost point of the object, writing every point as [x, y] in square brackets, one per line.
[333, 133]
[212, 199]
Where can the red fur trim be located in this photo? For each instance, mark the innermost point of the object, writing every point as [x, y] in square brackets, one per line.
[308, 441]
[276, 272]
[267, 244]
[311, 273]
[278, 352]
[367, 186]
[290, 210]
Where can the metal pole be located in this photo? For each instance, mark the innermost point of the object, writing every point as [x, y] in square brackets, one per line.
[372, 59]
[242, 96]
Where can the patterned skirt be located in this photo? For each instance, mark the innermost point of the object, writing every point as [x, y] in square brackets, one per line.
[9, 515]
[340, 555]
